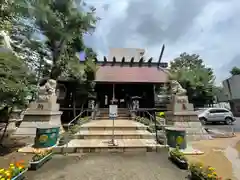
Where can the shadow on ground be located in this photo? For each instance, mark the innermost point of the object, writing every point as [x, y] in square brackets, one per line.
[10, 145]
[109, 166]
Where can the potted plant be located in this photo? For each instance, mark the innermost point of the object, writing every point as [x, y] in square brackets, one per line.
[178, 158]
[200, 172]
[40, 157]
[14, 172]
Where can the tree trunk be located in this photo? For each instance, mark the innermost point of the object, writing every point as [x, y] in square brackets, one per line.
[5, 115]
[55, 72]
[56, 53]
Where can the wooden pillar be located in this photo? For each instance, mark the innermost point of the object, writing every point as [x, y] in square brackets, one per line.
[113, 95]
[154, 95]
[113, 91]
[74, 103]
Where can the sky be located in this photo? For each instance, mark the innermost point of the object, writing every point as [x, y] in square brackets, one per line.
[210, 28]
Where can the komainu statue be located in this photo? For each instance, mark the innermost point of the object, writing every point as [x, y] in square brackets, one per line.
[47, 90]
[177, 89]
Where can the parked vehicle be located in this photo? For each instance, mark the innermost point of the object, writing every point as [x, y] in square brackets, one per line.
[216, 115]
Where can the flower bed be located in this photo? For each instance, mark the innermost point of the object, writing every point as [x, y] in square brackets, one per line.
[200, 172]
[14, 172]
[178, 158]
[40, 158]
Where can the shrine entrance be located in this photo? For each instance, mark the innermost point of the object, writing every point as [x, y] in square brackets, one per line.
[123, 93]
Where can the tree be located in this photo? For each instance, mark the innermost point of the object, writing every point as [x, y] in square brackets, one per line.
[195, 77]
[16, 85]
[63, 25]
[235, 71]
[6, 14]
[15, 78]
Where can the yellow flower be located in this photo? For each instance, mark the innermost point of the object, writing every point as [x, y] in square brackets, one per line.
[209, 175]
[1, 170]
[211, 169]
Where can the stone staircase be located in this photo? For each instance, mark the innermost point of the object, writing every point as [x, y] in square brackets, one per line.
[123, 113]
[129, 135]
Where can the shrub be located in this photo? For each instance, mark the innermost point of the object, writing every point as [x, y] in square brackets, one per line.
[177, 153]
[205, 172]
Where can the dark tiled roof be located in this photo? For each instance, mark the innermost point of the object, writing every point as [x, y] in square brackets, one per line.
[131, 74]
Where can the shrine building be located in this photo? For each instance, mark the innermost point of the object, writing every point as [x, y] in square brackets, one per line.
[122, 76]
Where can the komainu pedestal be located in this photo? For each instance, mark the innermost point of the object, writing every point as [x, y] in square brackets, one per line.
[42, 113]
[180, 110]
[181, 114]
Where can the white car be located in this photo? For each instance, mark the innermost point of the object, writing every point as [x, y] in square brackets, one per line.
[216, 115]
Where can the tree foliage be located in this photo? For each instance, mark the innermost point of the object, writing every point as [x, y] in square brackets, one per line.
[16, 81]
[195, 77]
[63, 24]
[235, 71]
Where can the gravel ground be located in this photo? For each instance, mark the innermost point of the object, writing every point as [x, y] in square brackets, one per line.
[141, 166]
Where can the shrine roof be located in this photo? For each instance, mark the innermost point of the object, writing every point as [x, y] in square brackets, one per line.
[131, 74]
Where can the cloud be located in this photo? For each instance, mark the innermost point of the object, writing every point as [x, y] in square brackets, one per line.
[207, 27]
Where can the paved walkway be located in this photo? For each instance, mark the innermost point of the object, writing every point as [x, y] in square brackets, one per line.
[216, 154]
[141, 166]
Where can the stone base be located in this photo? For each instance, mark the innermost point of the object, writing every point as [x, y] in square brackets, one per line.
[33, 120]
[189, 121]
[194, 130]
[186, 116]
[29, 128]
[43, 106]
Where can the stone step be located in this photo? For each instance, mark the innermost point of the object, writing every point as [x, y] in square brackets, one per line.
[117, 118]
[120, 124]
[109, 128]
[119, 114]
[119, 109]
[118, 134]
[104, 145]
